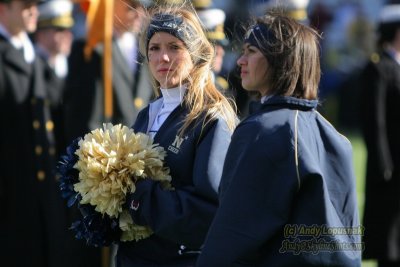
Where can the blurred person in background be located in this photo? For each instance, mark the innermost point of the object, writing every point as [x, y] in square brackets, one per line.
[346, 46]
[213, 21]
[84, 90]
[380, 108]
[53, 37]
[33, 225]
[52, 40]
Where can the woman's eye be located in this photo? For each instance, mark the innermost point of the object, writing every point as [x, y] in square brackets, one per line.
[247, 50]
[153, 48]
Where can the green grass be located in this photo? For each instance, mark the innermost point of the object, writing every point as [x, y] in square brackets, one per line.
[359, 160]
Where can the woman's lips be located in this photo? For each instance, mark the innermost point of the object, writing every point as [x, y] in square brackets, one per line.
[164, 70]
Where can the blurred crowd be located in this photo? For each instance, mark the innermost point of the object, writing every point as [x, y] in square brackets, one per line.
[67, 101]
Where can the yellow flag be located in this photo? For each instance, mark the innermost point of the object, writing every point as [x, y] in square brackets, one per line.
[99, 26]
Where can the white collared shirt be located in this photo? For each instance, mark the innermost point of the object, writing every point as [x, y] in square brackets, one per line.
[20, 41]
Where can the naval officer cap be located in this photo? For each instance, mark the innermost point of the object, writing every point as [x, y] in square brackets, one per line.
[213, 20]
[55, 14]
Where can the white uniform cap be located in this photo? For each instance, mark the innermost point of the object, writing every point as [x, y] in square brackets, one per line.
[55, 13]
[390, 14]
[211, 17]
[213, 21]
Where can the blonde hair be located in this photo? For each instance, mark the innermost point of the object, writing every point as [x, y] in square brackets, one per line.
[202, 96]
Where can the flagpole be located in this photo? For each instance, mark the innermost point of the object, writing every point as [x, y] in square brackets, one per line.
[107, 59]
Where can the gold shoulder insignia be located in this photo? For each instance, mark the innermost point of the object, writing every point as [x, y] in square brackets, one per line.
[375, 58]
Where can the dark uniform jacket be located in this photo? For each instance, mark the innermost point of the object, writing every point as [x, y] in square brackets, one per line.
[84, 92]
[55, 90]
[287, 175]
[33, 222]
[179, 218]
[380, 102]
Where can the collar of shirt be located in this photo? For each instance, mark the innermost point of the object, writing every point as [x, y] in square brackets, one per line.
[20, 41]
[160, 109]
[173, 95]
[61, 65]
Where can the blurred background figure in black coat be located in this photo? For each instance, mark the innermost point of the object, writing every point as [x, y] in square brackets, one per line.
[84, 92]
[53, 40]
[53, 37]
[33, 225]
[380, 102]
[213, 21]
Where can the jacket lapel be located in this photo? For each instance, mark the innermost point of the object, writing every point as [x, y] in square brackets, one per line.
[17, 72]
[15, 59]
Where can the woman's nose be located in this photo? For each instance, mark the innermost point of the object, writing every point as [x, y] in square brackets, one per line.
[164, 57]
[240, 61]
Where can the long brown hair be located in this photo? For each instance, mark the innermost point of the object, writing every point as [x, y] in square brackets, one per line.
[202, 97]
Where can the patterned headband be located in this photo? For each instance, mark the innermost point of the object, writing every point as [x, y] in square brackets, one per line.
[258, 35]
[172, 24]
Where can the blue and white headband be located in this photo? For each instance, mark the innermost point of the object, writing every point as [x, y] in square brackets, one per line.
[172, 24]
[258, 35]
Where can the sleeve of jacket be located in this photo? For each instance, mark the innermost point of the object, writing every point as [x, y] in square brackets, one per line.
[183, 215]
[257, 189]
[374, 117]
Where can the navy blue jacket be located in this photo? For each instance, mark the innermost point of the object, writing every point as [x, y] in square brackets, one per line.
[287, 172]
[179, 218]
